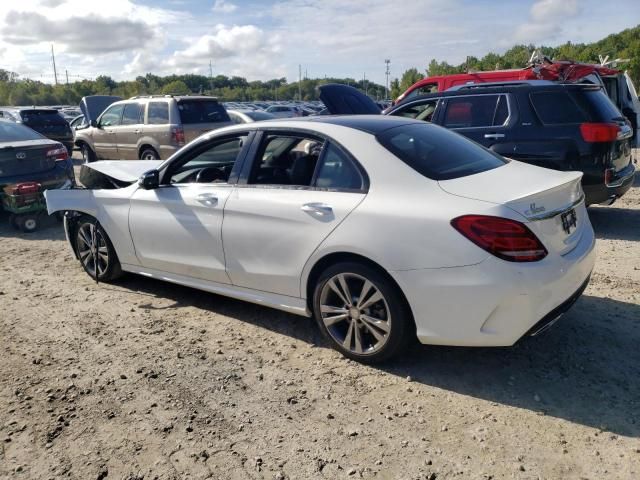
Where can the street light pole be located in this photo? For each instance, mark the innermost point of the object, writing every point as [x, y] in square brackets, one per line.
[387, 72]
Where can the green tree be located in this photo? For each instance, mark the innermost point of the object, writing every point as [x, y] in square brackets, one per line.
[177, 87]
[409, 77]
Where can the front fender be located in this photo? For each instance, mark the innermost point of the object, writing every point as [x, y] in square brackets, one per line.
[109, 207]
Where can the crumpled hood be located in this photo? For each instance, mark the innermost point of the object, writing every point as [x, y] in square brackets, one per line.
[124, 170]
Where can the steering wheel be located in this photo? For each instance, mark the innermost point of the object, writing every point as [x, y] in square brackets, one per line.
[209, 174]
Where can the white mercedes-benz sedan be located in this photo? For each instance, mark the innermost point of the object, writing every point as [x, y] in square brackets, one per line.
[382, 228]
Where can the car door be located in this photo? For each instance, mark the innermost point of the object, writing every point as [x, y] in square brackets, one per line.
[104, 135]
[130, 131]
[484, 118]
[296, 190]
[177, 228]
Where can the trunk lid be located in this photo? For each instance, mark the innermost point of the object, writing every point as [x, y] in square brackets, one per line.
[549, 202]
[21, 158]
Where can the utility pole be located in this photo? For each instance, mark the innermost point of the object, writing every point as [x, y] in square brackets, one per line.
[66, 72]
[53, 60]
[364, 83]
[387, 72]
[299, 82]
[211, 77]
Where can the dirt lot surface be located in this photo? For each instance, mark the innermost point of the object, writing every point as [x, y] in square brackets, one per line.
[144, 379]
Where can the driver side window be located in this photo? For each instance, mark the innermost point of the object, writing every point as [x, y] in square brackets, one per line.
[111, 116]
[212, 164]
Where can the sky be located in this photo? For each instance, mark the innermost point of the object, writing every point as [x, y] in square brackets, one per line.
[260, 40]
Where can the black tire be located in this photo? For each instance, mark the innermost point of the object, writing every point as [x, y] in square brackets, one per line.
[149, 154]
[28, 223]
[399, 328]
[109, 268]
[88, 155]
[13, 220]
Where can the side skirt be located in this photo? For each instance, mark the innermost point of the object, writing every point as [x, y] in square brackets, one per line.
[297, 306]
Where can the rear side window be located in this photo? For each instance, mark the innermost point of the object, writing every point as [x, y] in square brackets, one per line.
[41, 117]
[14, 132]
[597, 104]
[476, 111]
[338, 171]
[158, 113]
[555, 108]
[192, 111]
[132, 114]
[438, 153]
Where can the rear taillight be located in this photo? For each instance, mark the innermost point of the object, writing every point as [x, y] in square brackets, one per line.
[608, 175]
[177, 135]
[506, 239]
[59, 153]
[599, 132]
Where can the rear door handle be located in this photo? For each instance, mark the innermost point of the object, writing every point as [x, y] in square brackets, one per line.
[209, 199]
[136, 131]
[320, 209]
[494, 135]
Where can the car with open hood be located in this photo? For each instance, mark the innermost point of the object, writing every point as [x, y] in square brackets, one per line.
[382, 228]
[559, 126]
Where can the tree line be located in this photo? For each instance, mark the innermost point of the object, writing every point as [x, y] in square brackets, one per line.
[625, 45]
[17, 91]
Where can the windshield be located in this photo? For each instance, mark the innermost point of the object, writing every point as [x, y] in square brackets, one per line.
[14, 132]
[438, 153]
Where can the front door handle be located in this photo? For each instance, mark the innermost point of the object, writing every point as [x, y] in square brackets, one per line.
[320, 209]
[494, 135]
[208, 199]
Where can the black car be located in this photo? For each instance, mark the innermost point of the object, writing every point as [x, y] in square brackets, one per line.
[27, 156]
[47, 121]
[557, 126]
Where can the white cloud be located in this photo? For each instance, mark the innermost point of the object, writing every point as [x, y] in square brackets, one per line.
[546, 21]
[222, 6]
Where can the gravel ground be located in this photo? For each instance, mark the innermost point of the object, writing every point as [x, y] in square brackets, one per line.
[144, 379]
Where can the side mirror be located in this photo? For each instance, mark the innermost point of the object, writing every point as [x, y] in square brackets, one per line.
[149, 180]
[93, 123]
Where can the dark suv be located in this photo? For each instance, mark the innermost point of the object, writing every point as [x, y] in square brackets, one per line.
[45, 121]
[557, 126]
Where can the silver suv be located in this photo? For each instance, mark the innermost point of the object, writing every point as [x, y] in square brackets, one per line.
[149, 127]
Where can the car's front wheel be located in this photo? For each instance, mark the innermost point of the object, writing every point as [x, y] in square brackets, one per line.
[95, 251]
[362, 312]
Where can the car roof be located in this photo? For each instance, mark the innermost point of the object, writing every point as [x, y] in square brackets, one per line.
[502, 87]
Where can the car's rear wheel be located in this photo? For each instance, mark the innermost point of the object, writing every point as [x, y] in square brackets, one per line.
[149, 154]
[95, 251]
[88, 155]
[361, 312]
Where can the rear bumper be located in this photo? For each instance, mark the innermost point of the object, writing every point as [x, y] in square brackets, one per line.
[602, 193]
[494, 303]
[54, 178]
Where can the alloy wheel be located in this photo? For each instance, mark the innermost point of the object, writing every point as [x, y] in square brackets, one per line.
[88, 237]
[355, 313]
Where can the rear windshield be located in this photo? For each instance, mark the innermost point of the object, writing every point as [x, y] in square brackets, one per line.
[14, 132]
[41, 117]
[260, 116]
[438, 153]
[198, 111]
[597, 104]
